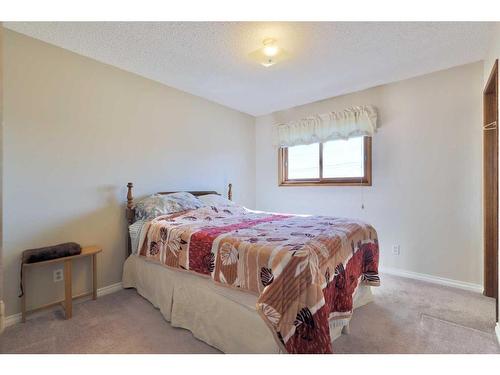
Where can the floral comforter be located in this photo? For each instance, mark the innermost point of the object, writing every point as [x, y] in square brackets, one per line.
[305, 269]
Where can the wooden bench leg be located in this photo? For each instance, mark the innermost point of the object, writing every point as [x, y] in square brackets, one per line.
[23, 298]
[68, 293]
[94, 276]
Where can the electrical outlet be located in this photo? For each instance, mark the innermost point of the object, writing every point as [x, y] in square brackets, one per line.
[58, 275]
[396, 250]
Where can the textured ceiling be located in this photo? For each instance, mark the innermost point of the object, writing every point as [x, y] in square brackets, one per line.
[210, 59]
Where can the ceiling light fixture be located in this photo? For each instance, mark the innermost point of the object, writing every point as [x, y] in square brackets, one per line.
[268, 55]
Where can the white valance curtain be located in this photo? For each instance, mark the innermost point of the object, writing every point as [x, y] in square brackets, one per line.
[351, 122]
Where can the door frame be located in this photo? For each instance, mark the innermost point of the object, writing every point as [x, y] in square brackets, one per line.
[490, 184]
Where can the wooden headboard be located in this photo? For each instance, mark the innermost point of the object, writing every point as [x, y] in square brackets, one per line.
[130, 211]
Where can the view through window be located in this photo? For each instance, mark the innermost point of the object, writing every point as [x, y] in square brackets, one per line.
[346, 162]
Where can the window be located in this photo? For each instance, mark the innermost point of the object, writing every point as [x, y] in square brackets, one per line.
[338, 162]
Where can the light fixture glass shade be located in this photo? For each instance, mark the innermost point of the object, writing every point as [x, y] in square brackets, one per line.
[269, 54]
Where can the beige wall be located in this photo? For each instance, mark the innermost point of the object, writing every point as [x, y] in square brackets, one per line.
[76, 131]
[2, 309]
[493, 51]
[426, 193]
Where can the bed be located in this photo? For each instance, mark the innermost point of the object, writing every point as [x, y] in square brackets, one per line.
[247, 281]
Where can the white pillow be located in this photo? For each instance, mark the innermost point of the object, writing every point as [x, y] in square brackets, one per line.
[215, 200]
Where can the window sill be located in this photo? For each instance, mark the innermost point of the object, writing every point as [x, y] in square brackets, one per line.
[325, 183]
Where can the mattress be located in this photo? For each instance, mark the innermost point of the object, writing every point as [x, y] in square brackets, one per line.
[222, 317]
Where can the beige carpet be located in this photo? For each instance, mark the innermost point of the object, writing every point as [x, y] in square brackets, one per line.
[407, 317]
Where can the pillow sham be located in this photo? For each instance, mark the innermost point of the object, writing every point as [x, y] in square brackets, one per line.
[159, 204]
[216, 200]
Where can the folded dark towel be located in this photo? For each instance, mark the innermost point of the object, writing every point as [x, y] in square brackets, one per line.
[47, 253]
[51, 252]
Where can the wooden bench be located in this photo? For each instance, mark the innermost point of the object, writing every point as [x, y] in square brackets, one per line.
[67, 302]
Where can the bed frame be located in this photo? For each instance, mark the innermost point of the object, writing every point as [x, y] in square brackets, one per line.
[130, 210]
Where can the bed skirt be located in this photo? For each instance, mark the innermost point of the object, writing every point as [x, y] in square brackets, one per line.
[220, 316]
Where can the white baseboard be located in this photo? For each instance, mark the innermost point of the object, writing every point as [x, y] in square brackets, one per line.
[16, 318]
[433, 279]
[497, 331]
[12, 319]
[109, 289]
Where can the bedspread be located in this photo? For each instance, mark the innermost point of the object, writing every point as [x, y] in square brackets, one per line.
[305, 269]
